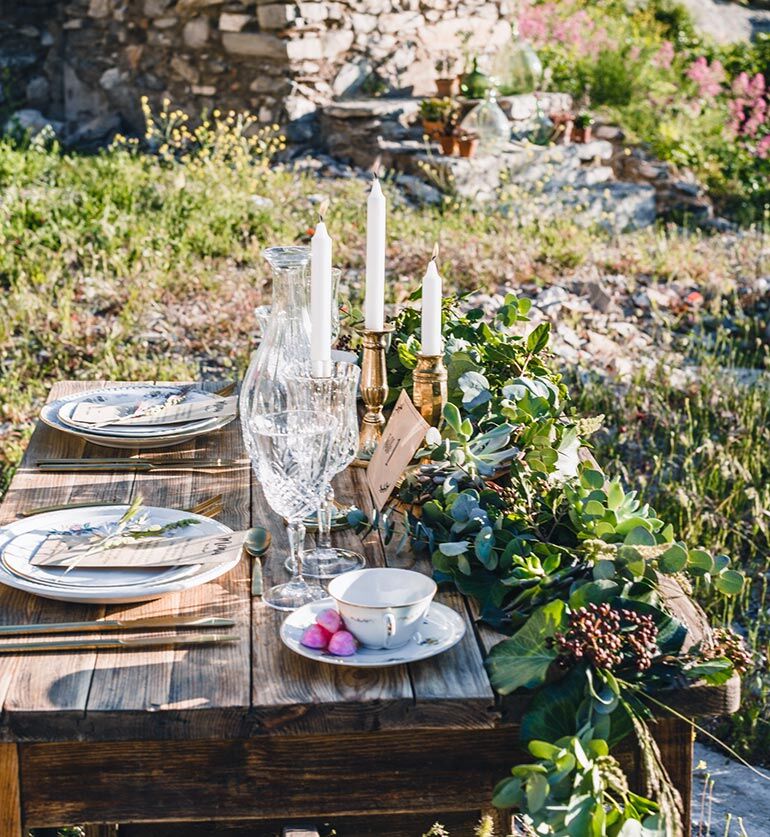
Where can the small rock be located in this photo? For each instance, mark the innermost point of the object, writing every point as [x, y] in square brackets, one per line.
[275, 15]
[594, 150]
[551, 297]
[38, 91]
[204, 89]
[261, 202]
[196, 32]
[231, 22]
[598, 296]
[417, 188]
[31, 121]
[100, 8]
[111, 78]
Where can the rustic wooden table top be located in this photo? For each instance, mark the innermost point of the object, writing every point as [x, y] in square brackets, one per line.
[253, 687]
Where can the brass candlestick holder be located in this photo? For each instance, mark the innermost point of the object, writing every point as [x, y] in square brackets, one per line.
[429, 392]
[374, 388]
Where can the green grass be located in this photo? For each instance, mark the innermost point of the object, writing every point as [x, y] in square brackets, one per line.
[699, 454]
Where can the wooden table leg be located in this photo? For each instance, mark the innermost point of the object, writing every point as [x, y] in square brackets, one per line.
[10, 797]
[101, 831]
[675, 739]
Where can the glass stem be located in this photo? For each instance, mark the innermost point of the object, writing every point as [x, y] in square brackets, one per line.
[325, 512]
[296, 532]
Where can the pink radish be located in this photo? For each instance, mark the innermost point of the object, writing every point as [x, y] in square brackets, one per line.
[330, 619]
[342, 644]
[316, 636]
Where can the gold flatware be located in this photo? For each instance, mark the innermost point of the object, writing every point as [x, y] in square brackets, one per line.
[114, 643]
[227, 389]
[211, 506]
[149, 623]
[62, 466]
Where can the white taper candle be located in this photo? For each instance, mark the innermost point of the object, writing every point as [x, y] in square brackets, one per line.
[376, 212]
[321, 302]
[431, 311]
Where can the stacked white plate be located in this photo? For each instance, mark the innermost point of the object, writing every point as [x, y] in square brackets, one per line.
[20, 540]
[134, 436]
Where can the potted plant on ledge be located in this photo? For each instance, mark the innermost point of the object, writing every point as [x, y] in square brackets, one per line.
[447, 83]
[435, 115]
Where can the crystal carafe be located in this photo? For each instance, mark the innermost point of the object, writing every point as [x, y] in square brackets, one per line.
[284, 349]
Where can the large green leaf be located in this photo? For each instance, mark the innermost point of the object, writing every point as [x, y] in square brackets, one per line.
[523, 660]
[552, 713]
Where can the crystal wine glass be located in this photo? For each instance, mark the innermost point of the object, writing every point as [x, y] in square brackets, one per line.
[291, 453]
[335, 395]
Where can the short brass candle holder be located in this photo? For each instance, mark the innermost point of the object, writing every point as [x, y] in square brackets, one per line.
[429, 391]
[374, 388]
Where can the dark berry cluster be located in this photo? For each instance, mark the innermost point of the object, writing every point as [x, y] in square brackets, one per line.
[607, 637]
[729, 644]
[344, 343]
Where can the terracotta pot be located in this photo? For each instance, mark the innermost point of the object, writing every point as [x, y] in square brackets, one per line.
[582, 135]
[448, 145]
[432, 129]
[447, 87]
[468, 146]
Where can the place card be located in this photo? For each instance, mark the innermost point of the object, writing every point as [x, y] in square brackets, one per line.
[69, 550]
[148, 414]
[400, 440]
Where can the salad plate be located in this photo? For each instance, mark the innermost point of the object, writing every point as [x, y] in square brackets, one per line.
[59, 415]
[441, 629]
[20, 540]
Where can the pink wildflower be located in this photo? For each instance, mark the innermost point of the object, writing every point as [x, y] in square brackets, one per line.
[708, 77]
[763, 147]
[664, 57]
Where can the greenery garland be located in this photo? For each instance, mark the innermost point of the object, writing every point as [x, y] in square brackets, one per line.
[566, 562]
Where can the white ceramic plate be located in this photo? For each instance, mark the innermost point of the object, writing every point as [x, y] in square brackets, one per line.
[441, 628]
[20, 540]
[127, 397]
[50, 415]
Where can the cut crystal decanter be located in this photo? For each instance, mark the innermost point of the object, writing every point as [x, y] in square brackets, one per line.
[285, 345]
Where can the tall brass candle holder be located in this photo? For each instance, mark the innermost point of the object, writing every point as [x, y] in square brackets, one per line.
[374, 388]
[429, 391]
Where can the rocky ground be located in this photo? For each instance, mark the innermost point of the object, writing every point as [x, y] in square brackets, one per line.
[729, 800]
[727, 21]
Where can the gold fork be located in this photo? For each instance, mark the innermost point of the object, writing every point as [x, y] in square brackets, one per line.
[209, 507]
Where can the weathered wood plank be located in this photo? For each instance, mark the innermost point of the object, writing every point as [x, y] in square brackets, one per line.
[453, 687]
[315, 697]
[180, 688]
[57, 690]
[459, 824]
[405, 771]
[10, 793]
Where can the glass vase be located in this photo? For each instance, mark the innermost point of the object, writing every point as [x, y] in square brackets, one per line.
[284, 349]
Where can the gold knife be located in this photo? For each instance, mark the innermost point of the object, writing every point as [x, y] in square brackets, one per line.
[109, 644]
[198, 508]
[127, 464]
[150, 622]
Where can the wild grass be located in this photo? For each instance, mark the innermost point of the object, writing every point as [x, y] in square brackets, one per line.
[699, 454]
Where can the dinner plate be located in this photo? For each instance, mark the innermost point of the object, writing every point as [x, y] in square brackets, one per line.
[441, 629]
[127, 397]
[20, 540]
[144, 441]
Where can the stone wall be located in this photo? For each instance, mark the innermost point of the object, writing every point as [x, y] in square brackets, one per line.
[88, 62]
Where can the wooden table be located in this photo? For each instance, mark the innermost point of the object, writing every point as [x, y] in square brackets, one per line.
[249, 731]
